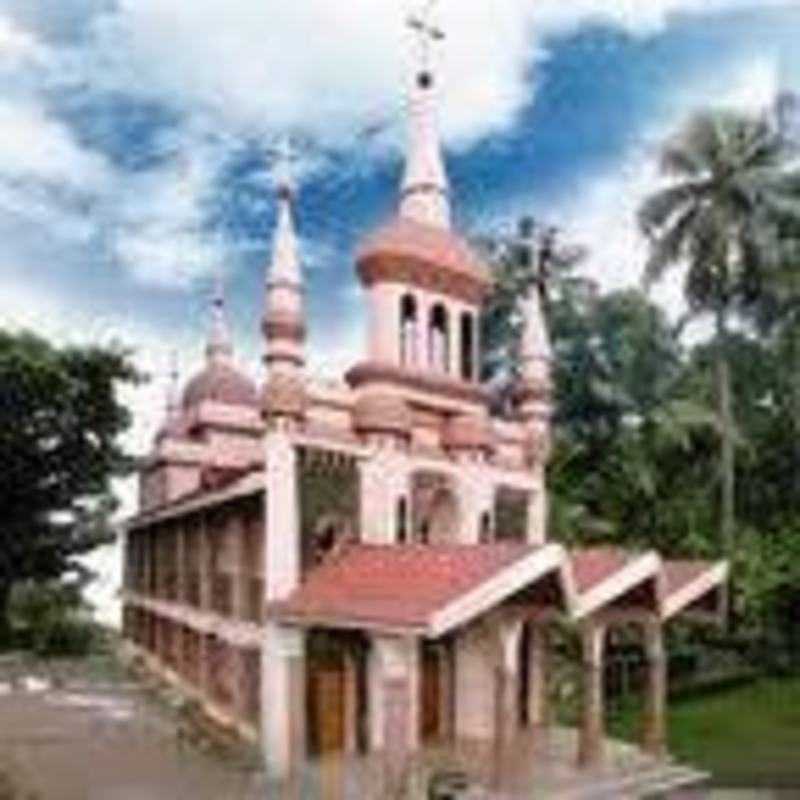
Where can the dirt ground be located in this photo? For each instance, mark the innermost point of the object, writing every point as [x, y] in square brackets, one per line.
[86, 731]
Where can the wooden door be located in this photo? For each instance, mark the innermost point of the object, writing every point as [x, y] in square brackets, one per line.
[326, 706]
[431, 695]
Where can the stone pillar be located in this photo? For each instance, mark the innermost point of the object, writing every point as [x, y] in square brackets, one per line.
[283, 701]
[476, 656]
[506, 693]
[423, 321]
[454, 320]
[592, 731]
[384, 478]
[508, 680]
[394, 705]
[654, 724]
[538, 674]
[282, 539]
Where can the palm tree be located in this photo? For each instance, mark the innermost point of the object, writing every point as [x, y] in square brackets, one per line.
[725, 174]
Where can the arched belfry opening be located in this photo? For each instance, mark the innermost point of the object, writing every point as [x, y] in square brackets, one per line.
[439, 339]
[467, 355]
[408, 330]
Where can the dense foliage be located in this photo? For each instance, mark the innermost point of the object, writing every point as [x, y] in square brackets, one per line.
[60, 423]
[692, 448]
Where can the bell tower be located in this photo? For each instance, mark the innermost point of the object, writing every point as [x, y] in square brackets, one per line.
[424, 284]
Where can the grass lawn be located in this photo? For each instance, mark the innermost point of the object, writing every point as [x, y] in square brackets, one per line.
[745, 736]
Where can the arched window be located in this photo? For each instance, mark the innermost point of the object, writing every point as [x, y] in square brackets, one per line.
[485, 532]
[439, 339]
[408, 329]
[467, 346]
[402, 521]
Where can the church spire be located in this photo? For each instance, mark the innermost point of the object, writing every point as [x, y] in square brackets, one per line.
[284, 318]
[285, 258]
[424, 195]
[220, 343]
[535, 351]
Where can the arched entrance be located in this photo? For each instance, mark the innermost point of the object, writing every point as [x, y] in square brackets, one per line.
[435, 509]
[443, 518]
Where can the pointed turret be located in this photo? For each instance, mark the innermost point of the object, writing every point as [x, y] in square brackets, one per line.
[536, 353]
[220, 341]
[534, 392]
[425, 194]
[173, 419]
[284, 316]
[220, 381]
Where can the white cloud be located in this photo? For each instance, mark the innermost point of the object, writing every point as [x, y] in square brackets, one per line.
[162, 238]
[16, 44]
[35, 146]
[329, 68]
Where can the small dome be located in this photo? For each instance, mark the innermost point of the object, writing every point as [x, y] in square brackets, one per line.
[382, 413]
[412, 251]
[220, 382]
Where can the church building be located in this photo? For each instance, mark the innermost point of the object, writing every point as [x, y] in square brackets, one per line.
[365, 566]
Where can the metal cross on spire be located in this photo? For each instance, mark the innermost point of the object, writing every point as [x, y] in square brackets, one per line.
[282, 174]
[428, 34]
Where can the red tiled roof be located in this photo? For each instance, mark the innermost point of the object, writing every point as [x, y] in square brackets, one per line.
[592, 566]
[396, 586]
[678, 574]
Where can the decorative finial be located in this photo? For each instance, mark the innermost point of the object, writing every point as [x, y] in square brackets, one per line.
[424, 193]
[427, 34]
[282, 170]
[172, 416]
[285, 266]
[219, 340]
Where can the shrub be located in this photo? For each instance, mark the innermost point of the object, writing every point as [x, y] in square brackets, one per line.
[51, 619]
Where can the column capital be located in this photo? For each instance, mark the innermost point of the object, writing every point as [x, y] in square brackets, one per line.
[284, 641]
[593, 634]
[394, 654]
[654, 640]
[509, 633]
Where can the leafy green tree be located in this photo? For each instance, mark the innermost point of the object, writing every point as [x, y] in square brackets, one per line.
[60, 423]
[725, 173]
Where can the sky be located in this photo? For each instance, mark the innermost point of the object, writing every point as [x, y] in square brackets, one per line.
[136, 141]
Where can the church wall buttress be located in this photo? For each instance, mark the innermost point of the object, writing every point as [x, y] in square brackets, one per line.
[282, 543]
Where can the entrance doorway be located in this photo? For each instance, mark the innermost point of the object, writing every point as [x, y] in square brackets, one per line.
[326, 706]
[436, 707]
[336, 692]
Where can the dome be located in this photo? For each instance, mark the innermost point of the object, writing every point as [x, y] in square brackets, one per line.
[406, 250]
[220, 382]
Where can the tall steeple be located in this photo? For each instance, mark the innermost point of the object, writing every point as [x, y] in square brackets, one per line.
[284, 318]
[536, 354]
[425, 194]
[220, 343]
[172, 425]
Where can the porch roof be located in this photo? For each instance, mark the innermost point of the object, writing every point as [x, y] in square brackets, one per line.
[422, 588]
[429, 590]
